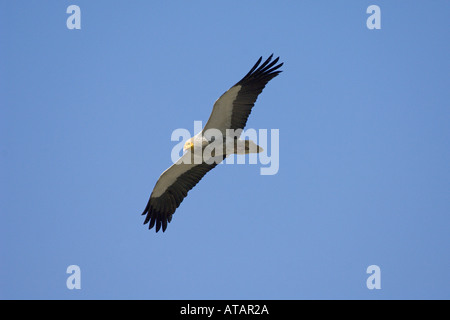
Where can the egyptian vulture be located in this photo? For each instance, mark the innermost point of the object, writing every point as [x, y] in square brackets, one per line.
[230, 111]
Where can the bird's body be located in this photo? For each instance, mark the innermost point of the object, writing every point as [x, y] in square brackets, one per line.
[218, 139]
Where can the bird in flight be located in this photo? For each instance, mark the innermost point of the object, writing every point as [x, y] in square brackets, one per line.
[227, 120]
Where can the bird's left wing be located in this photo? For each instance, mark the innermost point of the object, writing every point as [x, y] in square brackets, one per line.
[232, 109]
[171, 188]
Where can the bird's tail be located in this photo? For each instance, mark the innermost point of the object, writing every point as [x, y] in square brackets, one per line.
[246, 147]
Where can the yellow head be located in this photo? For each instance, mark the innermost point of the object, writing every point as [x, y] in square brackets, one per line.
[189, 145]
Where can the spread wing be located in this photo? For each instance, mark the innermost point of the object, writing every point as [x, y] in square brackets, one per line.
[232, 109]
[171, 188]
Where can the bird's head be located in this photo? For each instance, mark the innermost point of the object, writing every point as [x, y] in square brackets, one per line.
[189, 145]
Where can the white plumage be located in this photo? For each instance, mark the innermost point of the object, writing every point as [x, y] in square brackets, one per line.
[204, 151]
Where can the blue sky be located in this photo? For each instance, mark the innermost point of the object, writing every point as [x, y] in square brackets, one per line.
[363, 117]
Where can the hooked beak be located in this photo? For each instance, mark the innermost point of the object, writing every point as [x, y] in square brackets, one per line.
[188, 146]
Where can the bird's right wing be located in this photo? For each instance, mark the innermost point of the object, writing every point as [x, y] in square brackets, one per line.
[171, 188]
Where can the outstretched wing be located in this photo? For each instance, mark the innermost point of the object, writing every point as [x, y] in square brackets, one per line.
[232, 109]
[171, 188]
